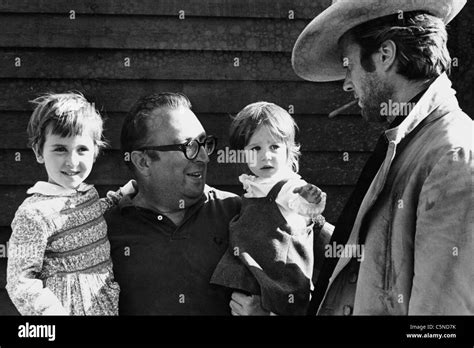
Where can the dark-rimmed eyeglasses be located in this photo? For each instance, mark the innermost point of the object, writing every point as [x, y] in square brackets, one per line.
[190, 148]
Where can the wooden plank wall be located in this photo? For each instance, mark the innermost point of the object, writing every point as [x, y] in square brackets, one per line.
[188, 46]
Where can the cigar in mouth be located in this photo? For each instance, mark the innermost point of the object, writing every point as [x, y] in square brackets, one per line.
[342, 108]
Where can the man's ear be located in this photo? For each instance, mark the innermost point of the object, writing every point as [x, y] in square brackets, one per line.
[141, 162]
[39, 157]
[387, 55]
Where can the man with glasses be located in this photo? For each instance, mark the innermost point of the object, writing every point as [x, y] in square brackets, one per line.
[167, 240]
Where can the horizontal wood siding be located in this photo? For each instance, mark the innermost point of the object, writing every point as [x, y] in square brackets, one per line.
[206, 96]
[149, 32]
[317, 132]
[207, 8]
[223, 54]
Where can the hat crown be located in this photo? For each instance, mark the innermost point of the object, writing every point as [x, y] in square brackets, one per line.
[315, 55]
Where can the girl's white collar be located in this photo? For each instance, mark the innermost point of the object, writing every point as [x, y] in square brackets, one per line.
[50, 189]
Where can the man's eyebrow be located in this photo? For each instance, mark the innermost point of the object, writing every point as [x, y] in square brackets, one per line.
[199, 137]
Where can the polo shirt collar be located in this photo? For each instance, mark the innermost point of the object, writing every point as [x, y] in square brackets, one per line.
[127, 202]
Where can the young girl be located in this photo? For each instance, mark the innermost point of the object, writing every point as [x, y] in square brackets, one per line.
[271, 241]
[59, 255]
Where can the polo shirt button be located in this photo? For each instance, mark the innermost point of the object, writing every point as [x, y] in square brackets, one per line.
[347, 310]
[160, 217]
[353, 278]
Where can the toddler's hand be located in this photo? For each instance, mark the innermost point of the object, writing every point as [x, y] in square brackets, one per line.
[311, 193]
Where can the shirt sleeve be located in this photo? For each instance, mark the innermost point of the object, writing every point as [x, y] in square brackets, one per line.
[443, 254]
[294, 202]
[25, 261]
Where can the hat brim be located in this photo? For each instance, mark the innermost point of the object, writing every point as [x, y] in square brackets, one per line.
[316, 55]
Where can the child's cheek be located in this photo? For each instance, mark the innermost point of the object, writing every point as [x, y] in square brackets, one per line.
[253, 169]
[251, 159]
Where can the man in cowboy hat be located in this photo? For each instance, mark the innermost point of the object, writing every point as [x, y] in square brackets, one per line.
[411, 208]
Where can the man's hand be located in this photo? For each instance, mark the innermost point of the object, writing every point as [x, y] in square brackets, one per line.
[242, 304]
[311, 193]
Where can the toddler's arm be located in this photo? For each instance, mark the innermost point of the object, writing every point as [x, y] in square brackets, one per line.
[305, 199]
[112, 198]
[311, 193]
[25, 261]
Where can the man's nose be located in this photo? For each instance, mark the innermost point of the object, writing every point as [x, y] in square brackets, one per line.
[347, 86]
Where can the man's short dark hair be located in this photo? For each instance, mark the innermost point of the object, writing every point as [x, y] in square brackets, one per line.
[421, 41]
[135, 126]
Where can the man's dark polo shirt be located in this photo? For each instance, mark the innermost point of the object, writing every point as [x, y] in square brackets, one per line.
[164, 269]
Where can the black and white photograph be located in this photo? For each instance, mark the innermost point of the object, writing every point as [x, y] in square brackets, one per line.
[195, 163]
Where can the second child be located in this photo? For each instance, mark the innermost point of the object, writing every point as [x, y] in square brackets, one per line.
[271, 241]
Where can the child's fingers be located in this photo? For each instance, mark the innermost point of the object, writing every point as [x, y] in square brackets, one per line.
[311, 193]
[322, 201]
[237, 296]
[235, 307]
[317, 199]
[304, 188]
[314, 191]
[298, 189]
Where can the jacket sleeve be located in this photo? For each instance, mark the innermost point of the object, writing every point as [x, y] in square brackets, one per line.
[443, 279]
[25, 260]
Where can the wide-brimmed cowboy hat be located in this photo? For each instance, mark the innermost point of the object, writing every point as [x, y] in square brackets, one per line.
[315, 54]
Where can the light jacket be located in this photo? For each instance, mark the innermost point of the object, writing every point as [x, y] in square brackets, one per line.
[415, 224]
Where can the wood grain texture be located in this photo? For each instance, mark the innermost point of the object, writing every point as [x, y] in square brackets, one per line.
[321, 168]
[153, 33]
[15, 195]
[317, 133]
[69, 63]
[215, 8]
[146, 64]
[206, 96]
[132, 32]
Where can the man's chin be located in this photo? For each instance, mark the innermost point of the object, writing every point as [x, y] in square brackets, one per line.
[190, 198]
[194, 191]
[372, 116]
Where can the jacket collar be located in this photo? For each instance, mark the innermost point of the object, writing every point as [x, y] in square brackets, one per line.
[49, 189]
[439, 95]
